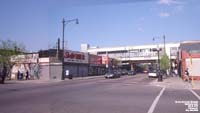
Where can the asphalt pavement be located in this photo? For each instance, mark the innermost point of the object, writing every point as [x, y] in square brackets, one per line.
[128, 94]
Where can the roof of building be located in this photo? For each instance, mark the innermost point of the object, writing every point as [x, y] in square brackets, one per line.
[116, 48]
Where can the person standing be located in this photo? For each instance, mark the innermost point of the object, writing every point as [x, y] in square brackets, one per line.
[21, 76]
[18, 75]
[186, 76]
[27, 75]
[4, 74]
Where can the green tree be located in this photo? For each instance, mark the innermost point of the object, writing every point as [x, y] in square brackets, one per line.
[164, 62]
[9, 48]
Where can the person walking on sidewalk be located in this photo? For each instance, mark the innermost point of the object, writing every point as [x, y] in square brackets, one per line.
[186, 76]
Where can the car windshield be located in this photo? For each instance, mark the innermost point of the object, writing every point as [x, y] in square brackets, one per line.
[152, 71]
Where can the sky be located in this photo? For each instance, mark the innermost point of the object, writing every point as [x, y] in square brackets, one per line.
[104, 23]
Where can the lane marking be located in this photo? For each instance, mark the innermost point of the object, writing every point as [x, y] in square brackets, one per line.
[195, 94]
[153, 106]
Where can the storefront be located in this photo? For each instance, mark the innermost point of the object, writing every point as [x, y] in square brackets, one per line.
[95, 65]
[23, 64]
[190, 59]
[76, 63]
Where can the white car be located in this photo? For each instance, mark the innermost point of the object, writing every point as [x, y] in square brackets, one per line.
[152, 74]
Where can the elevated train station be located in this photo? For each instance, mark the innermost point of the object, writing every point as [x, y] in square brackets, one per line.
[131, 55]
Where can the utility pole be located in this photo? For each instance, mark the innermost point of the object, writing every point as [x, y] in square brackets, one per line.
[164, 43]
[64, 22]
[63, 50]
[160, 79]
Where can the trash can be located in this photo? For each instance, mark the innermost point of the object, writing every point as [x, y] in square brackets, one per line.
[70, 76]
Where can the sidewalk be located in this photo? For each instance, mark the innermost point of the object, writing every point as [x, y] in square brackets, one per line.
[48, 81]
[12, 85]
[177, 83]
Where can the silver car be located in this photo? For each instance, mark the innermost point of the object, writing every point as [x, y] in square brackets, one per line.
[111, 75]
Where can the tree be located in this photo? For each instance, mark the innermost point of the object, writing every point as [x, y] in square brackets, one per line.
[164, 62]
[9, 48]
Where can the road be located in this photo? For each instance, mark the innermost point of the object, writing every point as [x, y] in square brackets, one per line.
[128, 94]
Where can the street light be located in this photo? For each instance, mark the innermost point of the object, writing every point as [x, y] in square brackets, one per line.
[160, 79]
[154, 38]
[64, 22]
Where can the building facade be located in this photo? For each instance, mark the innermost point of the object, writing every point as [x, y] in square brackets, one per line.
[75, 64]
[23, 63]
[96, 66]
[189, 58]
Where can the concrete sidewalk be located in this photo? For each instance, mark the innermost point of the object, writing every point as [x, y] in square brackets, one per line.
[49, 81]
[177, 83]
[11, 85]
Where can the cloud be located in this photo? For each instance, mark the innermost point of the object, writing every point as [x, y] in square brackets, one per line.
[179, 8]
[164, 14]
[173, 7]
[140, 29]
[169, 2]
[142, 19]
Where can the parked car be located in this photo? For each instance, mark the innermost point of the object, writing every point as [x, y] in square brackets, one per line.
[118, 72]
[145, 71]
[124, 72]
[152, 73]
[112, 75]
[131, 72]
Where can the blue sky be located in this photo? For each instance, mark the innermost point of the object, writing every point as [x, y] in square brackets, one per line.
[37, 23]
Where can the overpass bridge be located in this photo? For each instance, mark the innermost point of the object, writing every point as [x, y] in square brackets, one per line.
[135, 54]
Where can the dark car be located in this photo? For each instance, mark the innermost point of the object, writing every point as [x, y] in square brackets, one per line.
[131, 72]
[124, 72]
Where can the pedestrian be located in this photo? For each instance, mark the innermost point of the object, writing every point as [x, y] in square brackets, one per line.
[186, 76]
[18, 75]
[21, 76]
[175, 72]
[4, 74]
[27, 75]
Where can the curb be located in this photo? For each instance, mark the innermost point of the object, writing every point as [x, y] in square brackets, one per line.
[49, 81]
[90, 77]
[174, 83]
